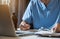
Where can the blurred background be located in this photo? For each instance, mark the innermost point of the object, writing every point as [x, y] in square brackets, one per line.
[14, 6]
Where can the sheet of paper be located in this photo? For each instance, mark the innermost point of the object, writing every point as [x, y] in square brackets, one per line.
[48, 33]
[24, 32]
[43, 33]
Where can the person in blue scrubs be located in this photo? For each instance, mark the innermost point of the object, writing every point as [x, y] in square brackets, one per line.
[43, 14]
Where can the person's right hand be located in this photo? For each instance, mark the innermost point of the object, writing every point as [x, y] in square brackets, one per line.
[24, 26]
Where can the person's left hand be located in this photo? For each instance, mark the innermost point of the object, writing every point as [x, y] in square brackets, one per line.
[56, 28]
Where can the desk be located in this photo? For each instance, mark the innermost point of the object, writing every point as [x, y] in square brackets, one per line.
[27, 37]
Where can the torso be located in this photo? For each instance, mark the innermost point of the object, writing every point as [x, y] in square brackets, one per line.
[46, 17]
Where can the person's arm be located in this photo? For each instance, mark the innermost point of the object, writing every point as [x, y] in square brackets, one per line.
[27, 18]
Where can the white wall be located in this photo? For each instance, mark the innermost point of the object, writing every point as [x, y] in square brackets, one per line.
[4, 2]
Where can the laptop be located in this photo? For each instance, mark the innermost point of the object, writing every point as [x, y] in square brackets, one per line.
[6, 24]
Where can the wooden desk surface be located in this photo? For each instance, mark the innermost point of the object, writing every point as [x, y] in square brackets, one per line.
[27, 37]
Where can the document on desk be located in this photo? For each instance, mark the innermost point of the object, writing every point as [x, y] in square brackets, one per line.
[43, 33]
[47, 33]
[24, 32]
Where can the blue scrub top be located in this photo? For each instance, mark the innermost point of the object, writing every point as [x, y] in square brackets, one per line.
[41, 16]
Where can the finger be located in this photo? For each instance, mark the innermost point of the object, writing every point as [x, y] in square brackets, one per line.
[27, 25]
[24, 28]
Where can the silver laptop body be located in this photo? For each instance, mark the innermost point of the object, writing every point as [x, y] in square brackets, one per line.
[6, 24]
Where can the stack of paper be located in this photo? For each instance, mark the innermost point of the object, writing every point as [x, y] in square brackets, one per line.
[43, 33]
